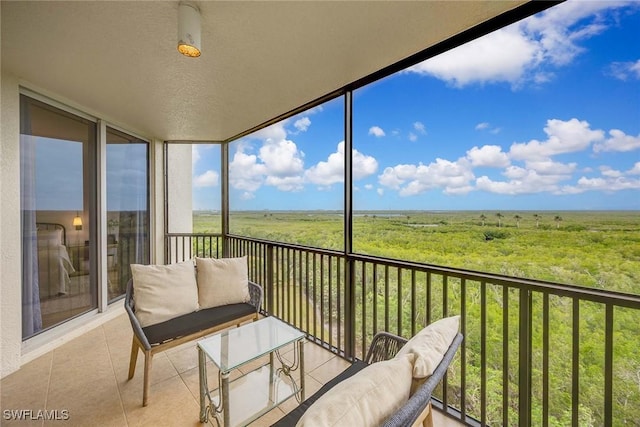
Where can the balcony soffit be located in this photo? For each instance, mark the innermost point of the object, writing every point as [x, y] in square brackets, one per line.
[118, 59]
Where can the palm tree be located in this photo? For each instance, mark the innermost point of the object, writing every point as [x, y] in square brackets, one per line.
[557, 219]
[517, 218]
[537, 217]
[499, 215]
[482, 218]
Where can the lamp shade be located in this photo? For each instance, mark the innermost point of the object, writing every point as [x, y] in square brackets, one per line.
[188, 30]
[77, 222]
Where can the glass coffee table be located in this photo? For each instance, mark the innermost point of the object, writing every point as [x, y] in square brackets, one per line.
[247, 397]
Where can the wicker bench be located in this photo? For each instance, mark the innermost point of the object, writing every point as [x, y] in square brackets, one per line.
[415, 412]
[162, 336]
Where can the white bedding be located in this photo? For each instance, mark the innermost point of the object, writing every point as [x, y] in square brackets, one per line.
[54, 265]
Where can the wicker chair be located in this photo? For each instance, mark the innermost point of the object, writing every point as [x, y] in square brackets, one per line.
[417, 409]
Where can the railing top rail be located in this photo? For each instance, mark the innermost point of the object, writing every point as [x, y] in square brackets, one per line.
[331, 252]
[167, 235]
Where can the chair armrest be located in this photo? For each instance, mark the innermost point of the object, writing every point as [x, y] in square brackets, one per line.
[410, 411]
[129, 306]
[384, 346]
[255, 291]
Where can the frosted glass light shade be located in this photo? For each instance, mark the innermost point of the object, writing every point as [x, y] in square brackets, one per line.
[77, 222]
[188, 30]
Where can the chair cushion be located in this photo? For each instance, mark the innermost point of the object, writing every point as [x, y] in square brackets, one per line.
[195, 322]
[367, 398]
[430, 344]
[222, 281]
[162, 292]
[292, 417]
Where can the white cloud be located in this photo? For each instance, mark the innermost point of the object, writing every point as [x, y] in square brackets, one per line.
[525, 51]
[413, 137]
[482, 126]
[605, 184]
[368, 187]
[278, 163]
[380, 191]
[625, 70]
[500, 56]
[635, 170]
[488, 156]
[302, 124]
[376, 131]
[245, 173]
[275, 132]
[285, 183]
[563, 137]
[521, 181]
[619, 141]
[410, 180]
[549, 167]
[419, 127]
[332, 171]
[208, 179]
[247, 196]
[282, 158]
[608, 172]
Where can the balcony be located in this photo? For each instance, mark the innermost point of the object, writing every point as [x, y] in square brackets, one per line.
[507, 372]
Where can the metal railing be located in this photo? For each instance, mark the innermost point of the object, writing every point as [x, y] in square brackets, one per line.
[535, 353]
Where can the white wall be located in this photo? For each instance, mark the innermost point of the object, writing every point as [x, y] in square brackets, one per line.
[180, 210]
[10, 243]
[180, 192]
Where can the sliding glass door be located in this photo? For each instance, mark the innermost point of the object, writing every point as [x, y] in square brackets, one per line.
[58, 199]
[127, 208]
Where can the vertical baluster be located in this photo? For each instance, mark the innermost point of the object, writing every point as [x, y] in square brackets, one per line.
[330, 313]
[375, 296]
[322, 279]
[505, 356]
[575, 364]
[608, 366]
[386, 298]
[463, 348]
[413, 302]
[483, 353]
[364, 308]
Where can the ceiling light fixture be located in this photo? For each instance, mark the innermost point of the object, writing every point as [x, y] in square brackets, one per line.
[189, 30]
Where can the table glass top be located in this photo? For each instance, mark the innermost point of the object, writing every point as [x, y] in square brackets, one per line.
[236, 346]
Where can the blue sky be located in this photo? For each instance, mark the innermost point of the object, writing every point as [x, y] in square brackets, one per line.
[542, 115]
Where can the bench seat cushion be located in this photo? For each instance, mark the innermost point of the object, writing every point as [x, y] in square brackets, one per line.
[195, 322]
[292, 417]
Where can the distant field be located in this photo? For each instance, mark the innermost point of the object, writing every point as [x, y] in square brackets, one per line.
[587, 248]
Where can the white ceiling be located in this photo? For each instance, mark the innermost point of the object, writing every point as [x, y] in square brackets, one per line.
[259, 60]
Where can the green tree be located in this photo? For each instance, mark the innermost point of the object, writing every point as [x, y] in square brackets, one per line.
[557, 219]
[537, 218]
[517, 218]
[499, 215]
[483, 218]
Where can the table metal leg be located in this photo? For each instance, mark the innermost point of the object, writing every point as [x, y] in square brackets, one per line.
[301, 355]
[202, 373]
[225, 398]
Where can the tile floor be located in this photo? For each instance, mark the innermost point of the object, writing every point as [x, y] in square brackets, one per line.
[87, 377]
